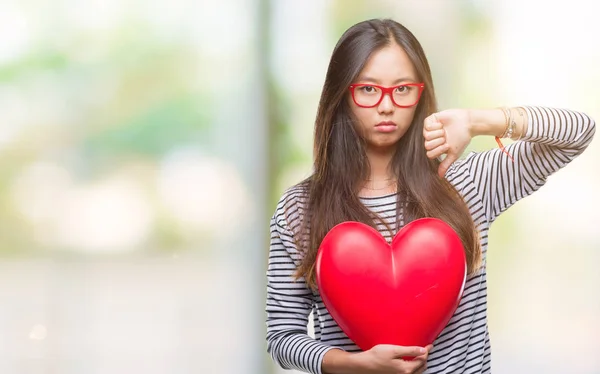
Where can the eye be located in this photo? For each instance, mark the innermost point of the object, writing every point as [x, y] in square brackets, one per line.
[402, 89]
[368, 89]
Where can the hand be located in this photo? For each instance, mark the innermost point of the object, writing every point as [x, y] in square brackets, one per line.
[387, 359]
[447, 132]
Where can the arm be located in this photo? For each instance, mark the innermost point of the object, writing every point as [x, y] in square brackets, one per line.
[549, 139]
[337, 361]
[382, 358]
[289, 303]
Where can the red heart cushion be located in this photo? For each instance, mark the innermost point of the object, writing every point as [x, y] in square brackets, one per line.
[404, 293]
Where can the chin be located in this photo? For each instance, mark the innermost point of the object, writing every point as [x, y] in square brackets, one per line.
[385, 143]
[383, 146]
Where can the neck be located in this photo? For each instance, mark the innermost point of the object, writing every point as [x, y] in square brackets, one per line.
[380, 165]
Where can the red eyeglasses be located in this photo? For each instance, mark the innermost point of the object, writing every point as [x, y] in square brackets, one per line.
[370, 95]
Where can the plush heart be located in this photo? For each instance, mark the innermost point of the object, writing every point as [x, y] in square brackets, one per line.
[404, 293]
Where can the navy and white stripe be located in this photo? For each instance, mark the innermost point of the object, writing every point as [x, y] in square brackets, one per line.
[490, 183]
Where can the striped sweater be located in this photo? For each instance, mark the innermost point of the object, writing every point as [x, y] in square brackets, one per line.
[488, 181]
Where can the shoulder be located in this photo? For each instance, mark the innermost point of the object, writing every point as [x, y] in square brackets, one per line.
[291, 206]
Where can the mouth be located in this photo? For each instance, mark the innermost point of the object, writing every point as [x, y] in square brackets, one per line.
[386, 126]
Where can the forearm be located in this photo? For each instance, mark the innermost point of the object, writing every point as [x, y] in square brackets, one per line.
[550, 139]
[494, 122]
[565, 131]
[337, 361]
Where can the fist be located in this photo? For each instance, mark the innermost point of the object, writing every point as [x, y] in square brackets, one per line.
[447, 133]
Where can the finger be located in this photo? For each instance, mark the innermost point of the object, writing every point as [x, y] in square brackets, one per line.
[415, 366]
[445, 165]
[431, 123]
[433, 144]
[428, 348]
[402, 366]
[434, 134]
[409, 351]
[437, 152]
[424, 357]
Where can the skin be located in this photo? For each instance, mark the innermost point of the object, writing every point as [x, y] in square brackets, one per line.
[389, 66]
[445, 133]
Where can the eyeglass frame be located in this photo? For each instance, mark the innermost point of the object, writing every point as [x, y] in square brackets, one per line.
[384, 91]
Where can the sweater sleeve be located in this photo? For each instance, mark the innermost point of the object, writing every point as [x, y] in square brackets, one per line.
[554, 138]
[289, 302]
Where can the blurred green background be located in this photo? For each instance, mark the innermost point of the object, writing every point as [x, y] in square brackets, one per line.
[143, 146]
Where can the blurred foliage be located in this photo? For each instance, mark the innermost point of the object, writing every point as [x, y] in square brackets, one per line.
[36, 60]
[154, 130]
[121, 97]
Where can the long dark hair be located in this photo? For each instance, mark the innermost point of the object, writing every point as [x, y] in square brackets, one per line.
[340, 160]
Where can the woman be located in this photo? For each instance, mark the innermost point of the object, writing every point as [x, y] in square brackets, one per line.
[379, 139]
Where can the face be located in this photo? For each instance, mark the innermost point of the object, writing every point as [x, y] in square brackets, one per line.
[384, 124]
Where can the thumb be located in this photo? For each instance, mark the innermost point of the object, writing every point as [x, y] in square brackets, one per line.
[445, 165]
[409, 351]
[442, 116]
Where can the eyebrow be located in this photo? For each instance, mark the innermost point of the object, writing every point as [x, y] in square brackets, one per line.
[376, 81]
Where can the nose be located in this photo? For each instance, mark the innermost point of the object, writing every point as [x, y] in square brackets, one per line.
[386, 105]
